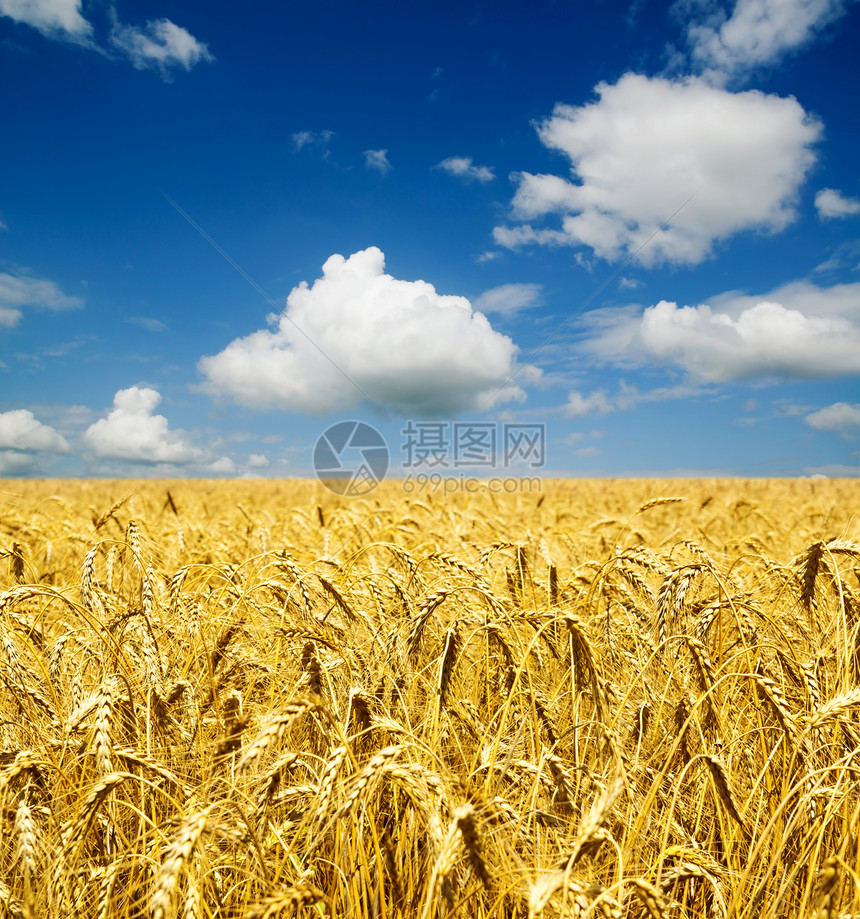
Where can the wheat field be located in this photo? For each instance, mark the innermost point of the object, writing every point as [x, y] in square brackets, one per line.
[258, 699]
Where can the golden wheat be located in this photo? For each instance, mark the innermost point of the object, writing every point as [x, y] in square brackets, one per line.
[236, 700]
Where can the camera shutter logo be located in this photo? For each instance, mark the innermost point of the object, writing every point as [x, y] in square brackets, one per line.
[351, 458]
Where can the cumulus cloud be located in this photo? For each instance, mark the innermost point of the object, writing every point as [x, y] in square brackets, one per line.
[133, 433]
[378, 160]
[20, 431]
[359, 334]
[54, 18]
[759, 32]
[765, 339]
[161, 45]
[832, 203]
[841, 417]
[16, 291]
[649, 146]
[509, 298]
[799, 331]
[222, 466]
[464, 168]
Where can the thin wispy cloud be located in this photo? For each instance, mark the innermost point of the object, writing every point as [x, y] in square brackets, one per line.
[509, 298]
[19, 291]
[377, 160]
[318, 140]
[148, 323]
[159, 45]
[627, 397]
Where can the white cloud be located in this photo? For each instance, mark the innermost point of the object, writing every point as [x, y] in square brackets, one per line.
[464, 168]
[148, 323]
[161, 45]
[760, 31]
[579, 405]
[51, 17]
[845, 256]
[378, 160]
[576, 437]
[69, 420]
[258, 461]
[131, 432]
[832, 203]
[222, 466]
[785, 409]
[812, 299]
[841, 416]
[629, 396]
[14, 464]
[320, 139]
[405, 346]
[765, 339]
[16, 291]
[831, 471]
[647, 146]
[21, 431]
[798, 331]
[625, 399]
[509, 298]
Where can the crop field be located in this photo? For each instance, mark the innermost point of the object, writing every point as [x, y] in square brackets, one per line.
[259, 699]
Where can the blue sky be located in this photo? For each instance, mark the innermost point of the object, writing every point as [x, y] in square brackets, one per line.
[223, 230]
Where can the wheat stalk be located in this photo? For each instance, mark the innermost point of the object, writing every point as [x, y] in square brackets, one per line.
[286, 901]
[277, 726]
[720, 775]
[175, 861]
